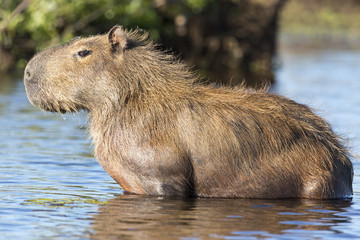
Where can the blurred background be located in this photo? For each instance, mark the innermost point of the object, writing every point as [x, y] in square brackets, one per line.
[51, 185]
[228, 41]
[225, 40]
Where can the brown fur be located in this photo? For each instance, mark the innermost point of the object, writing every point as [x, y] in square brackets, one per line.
[157, 131]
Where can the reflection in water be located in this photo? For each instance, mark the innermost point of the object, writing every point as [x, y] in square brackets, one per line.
[141, 217]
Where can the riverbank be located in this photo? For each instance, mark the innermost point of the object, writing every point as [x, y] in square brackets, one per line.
[321, 24]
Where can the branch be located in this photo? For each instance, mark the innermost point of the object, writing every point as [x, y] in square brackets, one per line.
[16, 12]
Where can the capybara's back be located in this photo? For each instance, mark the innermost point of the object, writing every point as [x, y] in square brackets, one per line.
[157, 131]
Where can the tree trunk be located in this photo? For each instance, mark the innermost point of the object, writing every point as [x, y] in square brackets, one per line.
[230, 42]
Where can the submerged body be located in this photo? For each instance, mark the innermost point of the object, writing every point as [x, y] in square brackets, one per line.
[156, 131]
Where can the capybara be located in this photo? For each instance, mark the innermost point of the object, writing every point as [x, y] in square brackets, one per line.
[157, 130]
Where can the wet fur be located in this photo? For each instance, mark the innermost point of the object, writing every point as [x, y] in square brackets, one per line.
[157, 131]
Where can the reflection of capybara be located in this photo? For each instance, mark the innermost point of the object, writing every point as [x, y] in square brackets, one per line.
[145, 217]
[157, 131]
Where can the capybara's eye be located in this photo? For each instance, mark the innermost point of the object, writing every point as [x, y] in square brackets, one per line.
[84, 53]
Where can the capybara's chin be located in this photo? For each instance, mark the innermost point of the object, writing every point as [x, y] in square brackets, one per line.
[37, 98]
[158, 131]
[32, 93]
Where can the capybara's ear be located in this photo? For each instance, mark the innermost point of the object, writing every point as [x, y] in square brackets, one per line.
[117, 39]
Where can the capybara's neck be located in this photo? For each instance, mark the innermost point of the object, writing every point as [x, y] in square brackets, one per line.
[151, 84]
[147, 75]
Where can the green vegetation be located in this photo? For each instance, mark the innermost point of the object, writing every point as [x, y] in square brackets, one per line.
[224, 39]
[29, 25]
[335, 21]
[67, 202]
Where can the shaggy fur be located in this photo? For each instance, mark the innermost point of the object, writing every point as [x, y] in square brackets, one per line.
[157, 131]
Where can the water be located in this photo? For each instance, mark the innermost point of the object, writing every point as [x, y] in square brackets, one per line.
[51, 187]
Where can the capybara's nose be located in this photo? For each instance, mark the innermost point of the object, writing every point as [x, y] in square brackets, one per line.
[28, 76]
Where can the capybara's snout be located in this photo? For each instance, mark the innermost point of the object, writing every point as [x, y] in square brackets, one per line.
[29, 77]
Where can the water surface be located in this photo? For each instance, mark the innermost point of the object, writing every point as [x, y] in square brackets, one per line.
[53, 188]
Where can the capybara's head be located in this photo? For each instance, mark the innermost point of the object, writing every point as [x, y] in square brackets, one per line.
[81, 74]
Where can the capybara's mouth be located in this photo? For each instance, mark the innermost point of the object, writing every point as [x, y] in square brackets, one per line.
[50, 107]
[58, 110]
